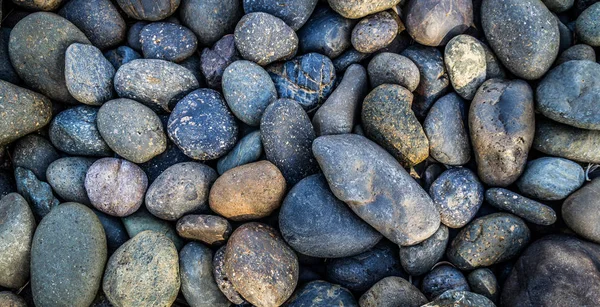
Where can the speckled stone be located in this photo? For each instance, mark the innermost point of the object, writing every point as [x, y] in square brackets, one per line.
[211, 19]
[460, 298]
[264, 39]
[247, 150]
[37, 51]
[9, 299]
[210, 229]
[16, 233]
[167, 41]
[358, 9]
[446, 129]
[293, 13]
[551, 178]
[23, 112]
[133, 35]
[221, 279]
[99, 20]
[248, 90]
[580, 211]
[143, 220]
[559, 6]
[338, 114]
[89, 75]
[389, 120]
[69, 246]
[349, 57]
[202, 126]
[392, 291]
[528, 209]
[34, 153]
[116, 235]
[74, 131]
[261, 267]
[36, 5]
[488, 240]
[115, 186]
[150, 262]
[326, 32]
[375, 32]
[577, 52]
[156, 83]
[7, 72]
[564, 141]
[588, 26]
[121, 55]
[151, 10]
[483, 281]
[501, 122]
[419, 259]
[374, 185]
[308, 79]
[66, 176]
[392, 68]
[465, 61]
[435, 22]
[523, 34]
[434, 81]
[37, 193]
[180, 189]
[197, 283]
[441, 279]
[287, 135]
[215, 60]
[321, 292]
[458, 195]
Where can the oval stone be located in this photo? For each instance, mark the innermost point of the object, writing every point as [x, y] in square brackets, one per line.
[34, 153]
[88, 74]
[323, 292]
[577, 52]
[167, 41]
[392, 291]
[565, 141]
[149, 9]
[419, 259]
[66, 176]
[142, 220]
[210, 229]
[294, 13]
[374, 32]
[465, 60]
[580, 211]
[458, 195]
[528, 209]
[247, 150]
[121, 55]
[392, 68]
[435, 22]
[441, 279]
[37, 193]
[326, 32]
[357, 9]
[587, 26]
[74, 131]
[210, 20]
[197, 283]
[551, 178]
[483, 281]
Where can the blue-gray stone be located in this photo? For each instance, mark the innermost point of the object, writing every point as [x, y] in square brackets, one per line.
[35, 153]
[121, 55]
[349, 57]
[551, 178]
[151, 10]
[167, 41]
[194, 65]
[247, 150]
[326, 32]
[483, 281]
[375, 32]
[172, 155]
[143, 220]
[577, 52]
[37, 193]
[321, 293]
[214, 61]
[419, 259]
[588, 26]
[66, 176]
[133, 35]
[116, 234]
[89, 75]
[528, 209]
[197, 283]
[441, 279]
[74, 131]
[210, 19]
[293, 12]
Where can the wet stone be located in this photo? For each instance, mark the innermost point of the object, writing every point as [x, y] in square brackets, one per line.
[375, 32]
[210, 229]
[435, 22]
[551, 178]
[66, 176]
[210, 20]
[215, 60]
[74, 131]
[392, 68]
[528, 209]
[441, 279]
[483, 281]
[151, 10]
[392, 291]
[420, 258]
[326, 32]
[197, 283]
[246, 150]
[34, 153]
[37, 193]
[167, 41]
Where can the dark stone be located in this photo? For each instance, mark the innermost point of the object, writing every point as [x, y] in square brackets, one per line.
[88, 74]
[221, 279]
[577, 52]
[551, 178]
[66, 176]
[460, 298]
[567, 38]
[69, 245]
[441, 279]
[488, 240]
[167, 41]
[7, 72]
[194, 65]
[99, 20]
[393, 291]
[349, 57]
[211, 19]
[210, 229]
[264, 39]
[247, 150]
[564, 141]
[248, 90]
[588, 26]
[357, 9]
[419, 259]
[326, 32]
[197, 283]
[528, 209]
[116, 235]
[447, 131]
[483, 281]
[151, 10]
[494, 68]
[432, 172]
[287, 135]
[466, 63]
[142, 220]
[157, 165]
[435, 22]
[74, 131]
[308, 79]
[133, 35]
[121, 55]
[375, 32]
[34, 153]
[523, 33]
[580, 211]
[322, 293]
[37, 193]
[294, 13]
[559, 6]
[37, 51]
[202, 126]
[215, 60]
[7, 184]
[392, 68]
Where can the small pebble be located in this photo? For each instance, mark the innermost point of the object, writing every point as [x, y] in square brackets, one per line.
[209, 229]
[210, 20]
[150, 10]
[66, 176]
[167, 41]
[247, 150]
[483, 281]
[391, 68]
[34, 153]
[435, 22]
[215, 60]
[528, 209]
[420, 258]
[375, 32]
[37, 193]
[197, 283]
[441, 279]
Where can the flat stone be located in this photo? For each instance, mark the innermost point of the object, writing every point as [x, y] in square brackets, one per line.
[143, 220]
[528, 209]
[326, 32]
[375, 32]
[34, 153]
[66, 176]
[215, 60]
[210, 20]
[197, 283]
[37, 193]
[151, 10]
[551, 178]
[443, 278]
[358, 9]
[484, 282]
[392, 68]
[247, 150]
[419, 259]
[74, 131]
[210, 229]
[435, 22]
[167, 41]
[458, 195]
[392, 291]
[99, 20]
[565, 141]
[465, 61]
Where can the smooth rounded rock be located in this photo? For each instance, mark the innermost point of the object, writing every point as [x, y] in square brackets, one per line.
[565, 141]
[588, 26]
[197, 283]
[246, 150]
[349, 57]
[151, 10]
[419, 259]
[210, 229]
[577, 52]
[392, 291]
[88, 74]
[66, 176]
[580, 211]
[551, 178]
[323, 292]
[441, 279]
[483, 282]
[74, 131]
[121, 55]
[167, 41]
[326, 32]
[133, 35]
[115, 231]
[293, 12]
[374, 32]
[435, 22]
[34, 153]
[214, 61]
[211, 19]
[142, 220]
[465, 60]
[528, 209]
[391, 68]
[357, 9]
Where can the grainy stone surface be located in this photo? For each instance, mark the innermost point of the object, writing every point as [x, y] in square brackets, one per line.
[246, 150]
[419, 259]
[559, 6]
[74, 131]
[215, 60]
[10, 299]
[528, 209]
[37, 193]
[326, 32]
[465, 60]
[392, 68]
[441, 279]
[133, 35]
[50, 5]
[210, 229]
[151, 10]
[483, 281]
[221, 279]
[587, 26]
[551, 178]
[167, 41]
[580, 211]
[211, 19]
[564, 141]
[435, 22]
[392, 291]
[577, 52]
[143, 220]
[66, 176]
[294, 13]
[34, 153]
[197, 283]
[89, 75]
[322, 292]
[458, 194]
[375, 32]
[358, 9]
[460, 298]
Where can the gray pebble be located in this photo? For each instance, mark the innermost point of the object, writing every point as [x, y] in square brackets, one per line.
[167, 41]
[66, 176]
[357, 9]
[392, 291]
[326, 32]
[419, 259]
[435, 22]
[151, 10]
[460, 298]
[74, 131]
[34, 153]
[349, 57]
[37, 193]
[559, 6]
[564, 141]
[466, 63]
[197, 283]
[323, 292]
[551, 178]
[580, 211]
[458, 195]
[391, 68]
[211, 19]
[375, 32]
[247, 150]
[294, 13]
[441, 279]
[577, 52]
[588, 26]
[528, 209]
[133, 35]
[214, 61]
[484, 282]
[221, 279]
[89, 75]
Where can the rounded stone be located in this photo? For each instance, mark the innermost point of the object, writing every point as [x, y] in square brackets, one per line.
[488, 240]
[392, 291]
[392, 68]
[483, 281]
[261, 267]
[435, 22]
[121, 55]
[156, 83]
[528, 209]
[167, 41]
[133, 35]
[69, 246]
[115, 186]
[142, 220]
[210, 229]
[559, 6]
[248, 192]
[551, 178]
[34, 153]
[16, 232]
[580, 211]
[89, 75]
[466, 63]
[9, 299]
[501, 122]
[115, 231]
[264, 39]
[143, 271]
[294, 13]
[315, 223]
[248, 90]
[224, 284]
[66, 176]
[37, 193]
[577, 52]
[37, 51]
[326, 32]
[441, 279]
[374, 32]
[247, 150]
[565, 141]
[171, 156]
[197, 283]
[210, 20]
[202, 126]
[180, 189]
[214, 61]
[131, 129]
[419, 259]
[523, 34]
[357, 9]
[151, 10]
[460, 298]
[74, 131]
[588, 26]
[323, 292]
[38, 5]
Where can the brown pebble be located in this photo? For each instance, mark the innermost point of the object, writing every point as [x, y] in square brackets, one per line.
[210, 229]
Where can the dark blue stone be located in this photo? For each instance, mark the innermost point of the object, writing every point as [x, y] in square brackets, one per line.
[167, 41]
[121, 55]
[7, 185]
[349, 57]
[326, 32]
[116, 234]
[133, 35]
[247, 150]
[441, 279]
[194, 65]
[74, 131]
[293, 12]
[321, 293]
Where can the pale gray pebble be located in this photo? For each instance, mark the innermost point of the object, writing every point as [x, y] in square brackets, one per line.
[66, 176]
[588, 26]
[74, 131]
[392, 291]
[375, 32]
[357, 9]
[551, 178]
[34, 153]
[392, 68]
[420, 258]
[465, 61]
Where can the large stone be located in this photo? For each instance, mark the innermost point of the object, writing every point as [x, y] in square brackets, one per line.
[211, 19]
[357, 9]
[581, 211]
[419, 259]
[149, 9]
[392, 291]
[197, 283]
[551, 178]
[435, 22]
[293, 12]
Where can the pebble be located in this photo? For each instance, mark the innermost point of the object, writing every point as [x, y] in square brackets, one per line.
[74, 131]
[248, 192]
[446, 127]
[156, 83]
[441, 279]
[308, 79]
[392, 68]
[50, 5]
[389, 121]
[588, 26]
[551, 178]
[210, 229]
[559, 6]
[261, 267]
[23, 112]
[263, 38]
[143, 220]
[248, 90]
[167, 41]
[69, 246]
[293, 13]
[569, 92]
[7, 72]
[349, 57]
[501, 122]
[528, 209]
[565, 141]
[392, 291]
[358, 9]
[37, 193]
[435, 22]
[287, 135]
[488, 240]
[150, 262]
[121, 55]
[10, 299]
[133, 35]
[580, 211]
[322, 292]
[116, 235]
[420, 258]
[88, 74]
[66, 176]
[150, 10]
[37, 51]
[99, 20]
[16, 233]
[375, 32]
[339, 112]
[460, 298]
[34, 153]
[215, 60]
[577, 52]
[210, 20]
[458, 195]
[326, 32]
[221, 279]
[484, 282]
[523, 33]
[115, 186]
[315, 223]
[247, 150]
[202, 126]
[466, 63]
[157, 165]
[197, 283]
